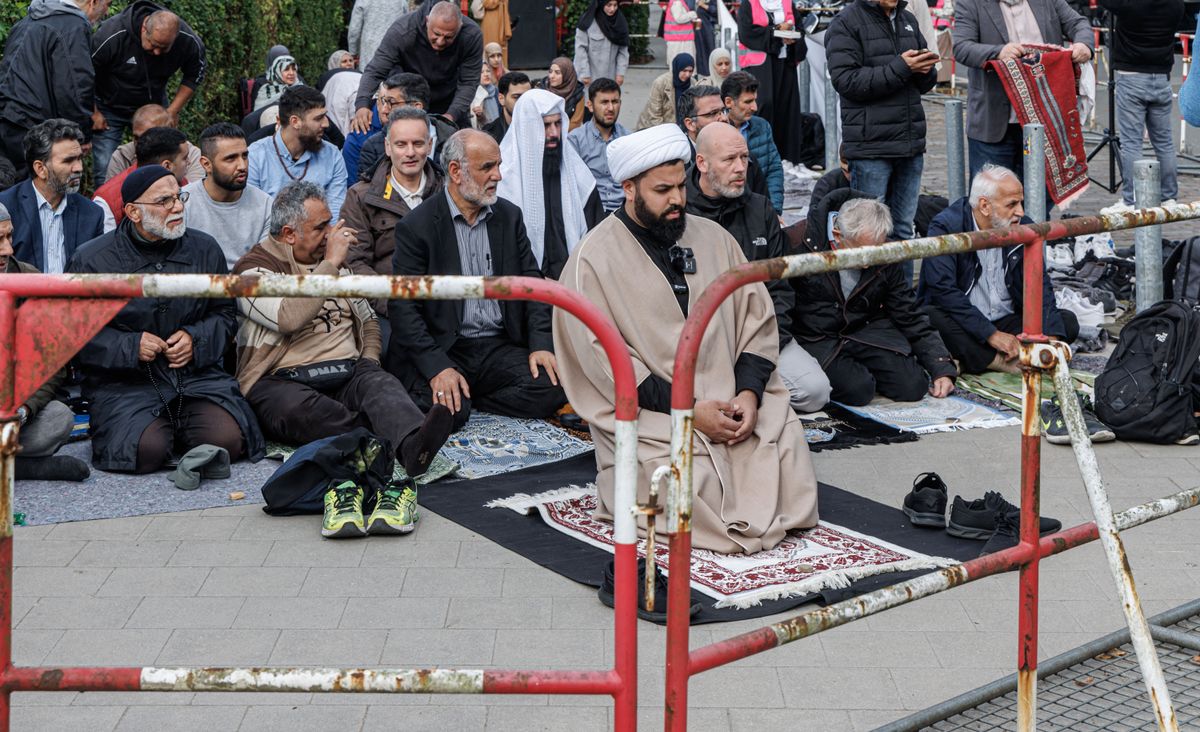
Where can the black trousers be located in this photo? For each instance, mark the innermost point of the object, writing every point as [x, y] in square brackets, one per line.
[296, 414]
[497, 372]
[201, 422]
[973, 355]
[859, 371]
[12, 146]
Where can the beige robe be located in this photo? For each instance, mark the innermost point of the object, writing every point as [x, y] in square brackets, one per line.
[746, 496]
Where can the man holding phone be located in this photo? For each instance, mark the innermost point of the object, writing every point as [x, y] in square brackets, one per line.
[880, 65]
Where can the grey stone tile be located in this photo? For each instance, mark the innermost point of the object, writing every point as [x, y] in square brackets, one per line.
[179, 719]
[31, 646]
[290, 612]
[931, 613]
[864, 720]
[192, 527]
[31, 553]
[756, 720]
[426, 719]
[439, 582]
[445, 648]
[400, 552]
[539, 582]
[550, 719]
[32, 533]
[504, 612]
[119, 529]
[256, 699]
[124, 554]
[580, 612]
[134, 699]
[254, 581]
[303, 719]
[220, 554]
[250, 508]
[299, 553]
[66, 718]
[756, 687]
[981, 649]
[549, 648]
[105, 647]
[839, 688]
[849, 649]
[161, 581]
[185, 612]
[330, 648]
[933, 685]
[218, 647]
[485, 554]
[20, 606]
[261, 527]
[705, 720]
[51, 613]
[354, 582]
[395, 612]
[43, 698]
[57, 581]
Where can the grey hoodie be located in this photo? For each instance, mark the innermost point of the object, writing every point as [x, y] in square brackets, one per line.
[46, 70]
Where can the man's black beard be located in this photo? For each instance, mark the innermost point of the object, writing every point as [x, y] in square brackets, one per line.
[552, 159]
[229, 183]
[660, 226]
[311, 144]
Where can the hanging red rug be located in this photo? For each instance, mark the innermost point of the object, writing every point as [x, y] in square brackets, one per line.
[1043, 88]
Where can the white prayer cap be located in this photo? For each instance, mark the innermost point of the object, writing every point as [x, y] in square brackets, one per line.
[634, 154]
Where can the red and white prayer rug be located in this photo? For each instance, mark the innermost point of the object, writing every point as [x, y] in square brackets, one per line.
[1043, 88]
[826, 556]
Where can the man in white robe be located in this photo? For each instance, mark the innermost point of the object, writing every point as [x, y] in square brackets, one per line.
[645, 266]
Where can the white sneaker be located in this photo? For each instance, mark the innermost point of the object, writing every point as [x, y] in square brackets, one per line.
[1120, 207]
[1060, 256]
[1100, 244]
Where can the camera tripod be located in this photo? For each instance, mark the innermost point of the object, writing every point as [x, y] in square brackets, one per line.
[1109, 140]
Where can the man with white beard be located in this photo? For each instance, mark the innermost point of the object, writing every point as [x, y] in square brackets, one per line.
[153, 375]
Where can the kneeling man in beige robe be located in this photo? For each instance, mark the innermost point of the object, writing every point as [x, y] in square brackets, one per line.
[644, 266]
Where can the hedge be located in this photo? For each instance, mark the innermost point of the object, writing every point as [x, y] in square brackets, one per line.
[637, 16]
[237, 34]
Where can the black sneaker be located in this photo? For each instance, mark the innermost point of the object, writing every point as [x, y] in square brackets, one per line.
[925, 504]
[1055, 428]
[1006, 535]
[978, 519]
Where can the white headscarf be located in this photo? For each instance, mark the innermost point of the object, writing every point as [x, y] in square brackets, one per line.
[521, 168]
[634, 154]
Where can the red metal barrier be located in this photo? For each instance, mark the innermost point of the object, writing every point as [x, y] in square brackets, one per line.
[61, 313]
[1025, 556]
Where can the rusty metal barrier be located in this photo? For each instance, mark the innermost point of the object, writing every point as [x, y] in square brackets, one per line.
[1038, 354]
[58, 314]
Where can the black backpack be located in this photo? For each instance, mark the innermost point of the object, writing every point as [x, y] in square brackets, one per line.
[1146, 390]
[1181, 272]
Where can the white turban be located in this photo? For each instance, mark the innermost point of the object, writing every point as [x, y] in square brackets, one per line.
[521, 170]
[634, 154]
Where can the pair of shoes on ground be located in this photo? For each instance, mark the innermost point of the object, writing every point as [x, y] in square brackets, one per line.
[991, 518]
[1054, 427]
[395, 510]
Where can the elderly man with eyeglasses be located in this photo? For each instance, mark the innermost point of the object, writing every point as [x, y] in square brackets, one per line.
[154, 374]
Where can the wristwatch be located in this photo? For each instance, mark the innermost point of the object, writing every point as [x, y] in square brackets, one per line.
[23, 414]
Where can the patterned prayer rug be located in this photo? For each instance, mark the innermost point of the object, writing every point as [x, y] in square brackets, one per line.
[934, 415]
[1005, 391]
[827, 556]
[1043, 88]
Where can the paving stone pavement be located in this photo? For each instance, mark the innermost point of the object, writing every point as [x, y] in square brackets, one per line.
[232, 586]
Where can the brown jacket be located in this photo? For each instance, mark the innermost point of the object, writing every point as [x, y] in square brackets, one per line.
[373, 213]
[267, 323]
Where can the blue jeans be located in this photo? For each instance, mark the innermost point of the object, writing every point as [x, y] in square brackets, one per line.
[1144, 103]
[105, 143]
[897, 183]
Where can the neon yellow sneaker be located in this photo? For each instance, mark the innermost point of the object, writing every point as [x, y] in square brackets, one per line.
[395, 509]
[343, 512]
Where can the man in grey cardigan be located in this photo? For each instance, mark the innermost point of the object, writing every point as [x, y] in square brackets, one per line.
[999, 29]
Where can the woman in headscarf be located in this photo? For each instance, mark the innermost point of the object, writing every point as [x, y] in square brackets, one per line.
[665, 93]
[720, 63]
[485, 107]
[602, 43]
[563, 82]
[679, 29]
[493, 57]
[772, 59]
[339, 61]
[281, 74]
[492, 16]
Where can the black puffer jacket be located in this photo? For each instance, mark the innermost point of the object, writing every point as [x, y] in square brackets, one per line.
[751, 220]
[881, 98]
[125, 392]
[46, 70]
[881, 311]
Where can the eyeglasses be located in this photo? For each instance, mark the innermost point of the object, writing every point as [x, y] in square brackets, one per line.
[718, 112]
[167, 201]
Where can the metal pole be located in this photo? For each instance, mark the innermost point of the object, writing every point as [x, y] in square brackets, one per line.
[1147, 190]
[833, 154]
[1035, 173]
[1114, 548]
[804, 78]
[679, 585]
[9, 444]
[955, 157]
